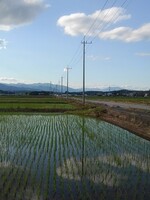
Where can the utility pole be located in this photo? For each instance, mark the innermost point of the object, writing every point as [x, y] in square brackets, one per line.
[56, 88]
[50, 89]
[59, 87]
[62, 85]
[84, 43]
[67, 69]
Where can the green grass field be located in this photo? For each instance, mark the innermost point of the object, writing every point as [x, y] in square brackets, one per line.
[30, 99]
[33, 103]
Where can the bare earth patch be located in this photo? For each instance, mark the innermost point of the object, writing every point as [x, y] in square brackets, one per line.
[134, 120]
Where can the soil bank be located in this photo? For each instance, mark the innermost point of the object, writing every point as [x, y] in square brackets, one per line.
[136, 121]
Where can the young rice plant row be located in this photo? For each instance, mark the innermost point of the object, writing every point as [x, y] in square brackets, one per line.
[69, 157]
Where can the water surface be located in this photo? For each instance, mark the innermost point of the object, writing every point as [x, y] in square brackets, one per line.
[71, 157]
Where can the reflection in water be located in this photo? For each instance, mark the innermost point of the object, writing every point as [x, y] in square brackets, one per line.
[112, 159]
[83, 148]
[70, 157]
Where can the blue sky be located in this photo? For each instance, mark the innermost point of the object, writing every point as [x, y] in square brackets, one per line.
[39, 38]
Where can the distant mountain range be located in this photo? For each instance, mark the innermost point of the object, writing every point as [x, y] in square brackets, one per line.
[21, 87]
[47, 87]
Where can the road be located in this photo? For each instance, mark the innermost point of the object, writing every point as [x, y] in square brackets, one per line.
[123, 105]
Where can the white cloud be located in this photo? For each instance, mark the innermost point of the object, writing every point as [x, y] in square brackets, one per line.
[94, 58]
[19, 12]
[134, 87]
[8, 80]
[79, 23]
[3, 44]
[142, 54]
[127, 34]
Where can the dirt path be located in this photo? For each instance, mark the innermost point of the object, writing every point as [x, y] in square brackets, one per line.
[122, 105]
[136, 121]
[132, 117]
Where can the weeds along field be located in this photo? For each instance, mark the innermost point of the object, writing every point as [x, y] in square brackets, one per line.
[44, 157]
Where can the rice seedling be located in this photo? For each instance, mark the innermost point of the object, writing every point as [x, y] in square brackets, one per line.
[65, 156]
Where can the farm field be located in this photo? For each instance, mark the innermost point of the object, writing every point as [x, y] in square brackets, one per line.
[60, 156]
[33, 103]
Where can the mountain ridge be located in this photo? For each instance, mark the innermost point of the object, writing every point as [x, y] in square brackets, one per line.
[49, 87]
[16, 87]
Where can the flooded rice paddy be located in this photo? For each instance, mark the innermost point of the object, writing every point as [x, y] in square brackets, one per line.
[45, 157]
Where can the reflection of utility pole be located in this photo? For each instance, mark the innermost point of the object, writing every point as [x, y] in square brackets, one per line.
[67, 69]
[83, 147]
[61, 85]
[84, 43]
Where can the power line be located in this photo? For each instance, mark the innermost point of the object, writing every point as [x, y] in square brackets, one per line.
[77, 51]
[113, 4]
[111, 19]
[96, 18]
[73, 59]
[86, 42]
[74, 55]
[106, 16]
